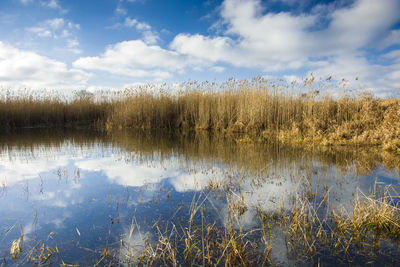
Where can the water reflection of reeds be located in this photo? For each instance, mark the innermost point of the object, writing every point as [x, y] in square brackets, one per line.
[211, 147]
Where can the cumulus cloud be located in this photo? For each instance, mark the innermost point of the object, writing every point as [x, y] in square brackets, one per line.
[284, 37]
[288, 42]
[25, 69]
[333, 39]
[135, 59]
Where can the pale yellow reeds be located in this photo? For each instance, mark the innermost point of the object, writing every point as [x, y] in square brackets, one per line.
[296, 112]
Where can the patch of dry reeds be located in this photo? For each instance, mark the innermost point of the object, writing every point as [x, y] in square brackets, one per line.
[296, 111]
[26, 111]
[372, 215]
[200, 241]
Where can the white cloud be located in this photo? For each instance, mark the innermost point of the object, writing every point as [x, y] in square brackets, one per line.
[210, 49]
[55, 28]
[140, 174]
[393, 55]
[149, 35]
[25, 69]
[134, 85]
[360, 25]
[17, 168]
[331, 40]
[272, 41]
[129, 22]
[55, 4]
[143, 26]
[276, 38]
[217, 68]
[129, 174]
[391, 39]
[52, 4]
[135, 59]
[287, 42]
[119, 10]
[197, 181]
[58, 29]
[73, 45]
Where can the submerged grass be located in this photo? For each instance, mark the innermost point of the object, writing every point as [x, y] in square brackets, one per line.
[311, 227]
[371, 215]
[296, 112]
[202, 242]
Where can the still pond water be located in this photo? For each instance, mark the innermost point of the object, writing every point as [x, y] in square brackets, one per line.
[95, 198]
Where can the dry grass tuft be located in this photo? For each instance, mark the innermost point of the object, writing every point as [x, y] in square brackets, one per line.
[371, 215]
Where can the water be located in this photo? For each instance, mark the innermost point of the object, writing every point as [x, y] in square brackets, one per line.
[82, 192]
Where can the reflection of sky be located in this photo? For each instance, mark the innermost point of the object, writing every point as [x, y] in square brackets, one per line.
[88, 194]
[137, 174]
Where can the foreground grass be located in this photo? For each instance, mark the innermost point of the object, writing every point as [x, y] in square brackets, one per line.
[312, 230]
[295, 112]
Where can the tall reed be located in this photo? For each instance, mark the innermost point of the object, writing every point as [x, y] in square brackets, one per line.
[296, 111]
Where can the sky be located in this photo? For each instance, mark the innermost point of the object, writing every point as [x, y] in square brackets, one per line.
[115, 44]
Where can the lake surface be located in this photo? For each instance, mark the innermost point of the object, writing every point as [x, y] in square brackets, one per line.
[107, 198]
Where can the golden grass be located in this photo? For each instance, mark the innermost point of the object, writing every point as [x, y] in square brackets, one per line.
[295, 112]
[200, 241]
[50, 111]
[309, 226]
[371, 215]
[15, 249]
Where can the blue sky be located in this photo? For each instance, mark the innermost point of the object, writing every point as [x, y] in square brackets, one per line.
[80, 44]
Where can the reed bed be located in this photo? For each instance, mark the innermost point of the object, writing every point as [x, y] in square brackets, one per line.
[32, 111]
[298, 112]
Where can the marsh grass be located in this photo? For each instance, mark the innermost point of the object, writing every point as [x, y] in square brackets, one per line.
[199, 241]
[24, 111]
[311, 226]
[297, 112]
[373, 215]
[37, 254]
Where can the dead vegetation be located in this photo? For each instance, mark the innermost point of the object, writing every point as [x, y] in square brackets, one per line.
[298, 112]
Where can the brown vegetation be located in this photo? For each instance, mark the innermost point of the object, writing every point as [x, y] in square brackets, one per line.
[295, 112]
[46, 111]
